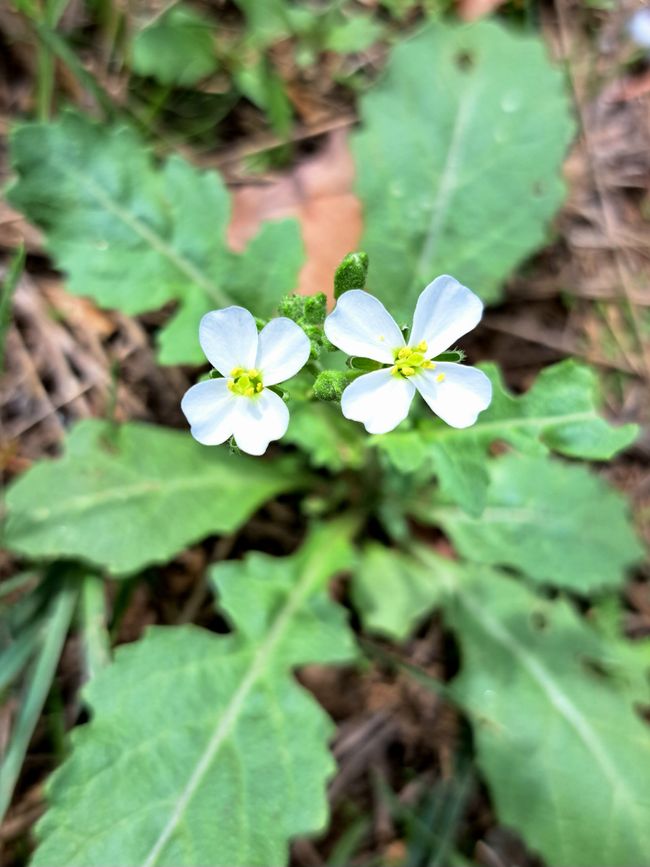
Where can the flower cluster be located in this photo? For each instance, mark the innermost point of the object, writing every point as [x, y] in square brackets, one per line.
[242, 403]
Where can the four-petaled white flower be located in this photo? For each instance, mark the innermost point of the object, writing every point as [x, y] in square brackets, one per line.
[360, 325]
[241, 405]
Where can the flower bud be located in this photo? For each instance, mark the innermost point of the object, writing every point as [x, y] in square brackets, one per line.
[329, 384]
[292, 306]
[351, 273]
[315, 309]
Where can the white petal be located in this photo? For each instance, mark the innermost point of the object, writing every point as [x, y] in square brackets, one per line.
[283, 349]
[229, 338]
[638, 27]
[378, 399]
[361, 325]
[260, 420]
[458, 399]
[209, 408]
[445, 311]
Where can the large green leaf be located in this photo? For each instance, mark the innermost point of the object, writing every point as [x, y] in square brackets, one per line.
[202, 749]
[458, 164]
[560, 412]
[135, 236]
[557, 523]
[128, 496]
[563, 752]
[393, 590]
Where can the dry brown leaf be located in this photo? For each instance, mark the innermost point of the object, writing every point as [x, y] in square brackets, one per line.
[470, 10]
[318, 192]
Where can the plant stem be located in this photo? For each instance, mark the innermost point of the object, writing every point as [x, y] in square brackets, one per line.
[93, 620]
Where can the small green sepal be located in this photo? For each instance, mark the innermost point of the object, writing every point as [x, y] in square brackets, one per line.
[357, 363]
[456, 355]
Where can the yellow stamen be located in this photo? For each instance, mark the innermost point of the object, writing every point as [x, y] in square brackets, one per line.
[410, 360]
[440, 377]
[245, 383]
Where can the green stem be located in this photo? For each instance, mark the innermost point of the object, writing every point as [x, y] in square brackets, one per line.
[93, 620]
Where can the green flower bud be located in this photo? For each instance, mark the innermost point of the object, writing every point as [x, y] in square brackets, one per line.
[292, 306]
[351, 273]
[315, 309]
[315, 335]
[329, 384]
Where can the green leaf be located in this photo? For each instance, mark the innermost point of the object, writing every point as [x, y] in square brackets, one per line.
[135, 236]
[560, 413]
[394, 590]
[320, 430]
[354, 34]
[125, 497]
[458, 163]
[260, 82]
[266, 22]
[203, 749]
[564, 754]
[555, 522]
[175, 48]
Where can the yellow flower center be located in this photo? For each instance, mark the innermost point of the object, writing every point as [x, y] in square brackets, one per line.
[247, 383]
[410, 360]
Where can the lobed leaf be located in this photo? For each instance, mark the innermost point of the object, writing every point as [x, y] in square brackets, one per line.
[458, 163]
[559, 413]
[202, 749]
[556, 523]
[134, 235]
[125, 497]
[561, 748]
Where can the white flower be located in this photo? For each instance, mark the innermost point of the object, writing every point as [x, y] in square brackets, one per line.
[638, 26]
[241, 404]
[360, 325]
